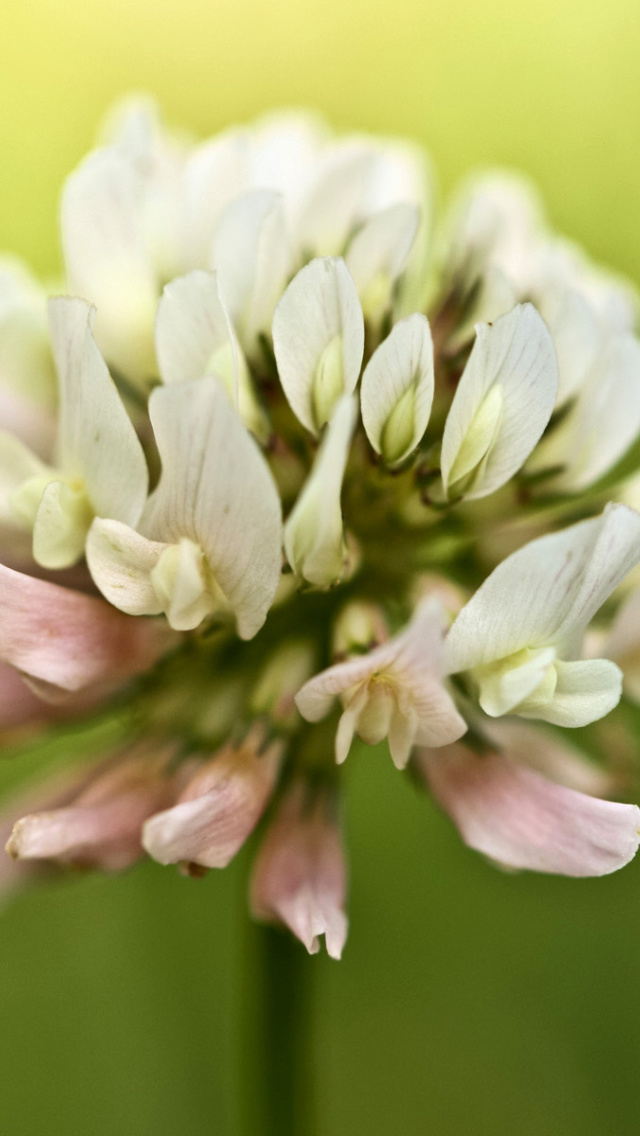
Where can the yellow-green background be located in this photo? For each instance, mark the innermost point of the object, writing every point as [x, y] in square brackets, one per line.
[468, 1002]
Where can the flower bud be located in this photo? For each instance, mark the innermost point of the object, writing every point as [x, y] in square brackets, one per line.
[280, 680]
[358, 627]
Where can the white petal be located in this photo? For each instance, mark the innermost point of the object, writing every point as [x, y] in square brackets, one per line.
[319, 307]
[605, 421]
[521, 820]
[313, 533]
[379, 251]
[61, 526]
[497, 219]
[547, 592]
[285, 152]
[622, 644]
[576, 338]
[121, 562]
[107, 260]
[401, 370]
[216, 172]
[17, 466]
[96, 440]
[192, 325]
[514, 357]
[585, 691]
[217, 490]
[338, 198]
[251, 256]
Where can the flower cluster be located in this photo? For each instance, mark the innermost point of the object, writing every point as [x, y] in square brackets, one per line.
[289, 462]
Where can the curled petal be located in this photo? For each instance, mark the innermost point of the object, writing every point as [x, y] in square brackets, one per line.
[521, 820]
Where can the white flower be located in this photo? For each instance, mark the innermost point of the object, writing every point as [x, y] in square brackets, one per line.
[318, 339]
[210, 536]
[194, 337]
[313, 533]
[99, 467]
[601, 424]
[27, 375]
[504, 400]
[378, 253]
[252, 258]
[397, 390]
[520, 634]
[394, 692]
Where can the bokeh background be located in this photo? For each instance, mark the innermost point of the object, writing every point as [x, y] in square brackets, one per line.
[469, 1002]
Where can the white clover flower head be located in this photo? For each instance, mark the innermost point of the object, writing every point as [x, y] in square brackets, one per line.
[296, 462]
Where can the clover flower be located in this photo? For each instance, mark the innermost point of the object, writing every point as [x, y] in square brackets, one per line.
[294, 461]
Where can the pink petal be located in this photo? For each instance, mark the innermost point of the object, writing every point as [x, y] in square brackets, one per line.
[218, 810]
[68, 639]
[299, 877]
[102, 825]
[522, 820]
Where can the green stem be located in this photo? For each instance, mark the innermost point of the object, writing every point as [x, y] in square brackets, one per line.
[277, 1066]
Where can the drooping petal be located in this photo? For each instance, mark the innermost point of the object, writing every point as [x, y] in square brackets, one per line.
[299, 877]
[521, 820]
[101, 826]
[550, 755]
[96, 440]
[313, 532]
[107, 260]
[251, 256]
[546, 592]
[318, 339]
[68, 639]
[216, 490]
[503, 402]
[397, 389]
[217, 810]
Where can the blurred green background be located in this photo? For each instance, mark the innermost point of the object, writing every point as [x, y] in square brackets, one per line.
[469, 1002]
